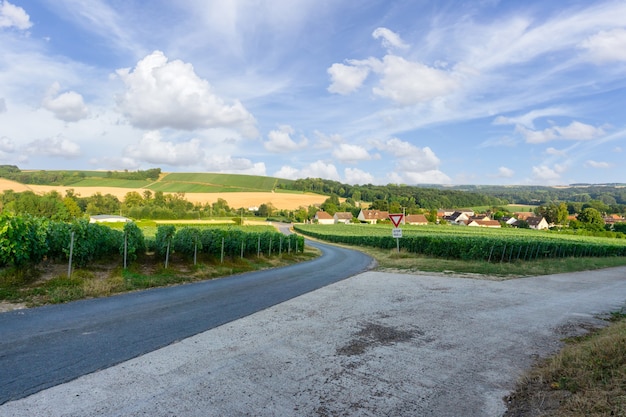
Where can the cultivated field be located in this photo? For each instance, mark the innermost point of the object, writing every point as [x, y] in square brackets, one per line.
[282, 201]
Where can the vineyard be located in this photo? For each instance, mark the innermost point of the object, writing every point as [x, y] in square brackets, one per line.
[27, 241]
[467, 243]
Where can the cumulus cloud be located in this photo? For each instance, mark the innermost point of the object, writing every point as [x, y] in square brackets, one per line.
[13, 16]
[228, 164]
[317, 169]
[357, 176]
[606, 46]
[346, 79]
[414, 165]
[56, 147]
[574, 131]
[546, 175]
[161, 93]
[504, 172]
[408, 83]
[351, 153]
[68, 106]
[401, 81]
[597, 164]
[389, 38]
[280, 140]
[152, 149]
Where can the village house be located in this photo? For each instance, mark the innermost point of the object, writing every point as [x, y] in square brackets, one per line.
[416, 219]
[372, 216]
[343, 217]
[107, 218]
[321, 217]
[441, 213]
[458, 217]
[537, 222]
[484, 223]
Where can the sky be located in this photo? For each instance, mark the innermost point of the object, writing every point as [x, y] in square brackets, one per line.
[357, 91]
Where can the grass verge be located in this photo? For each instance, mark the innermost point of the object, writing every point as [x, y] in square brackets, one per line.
[587, 378]
[405, 262]
[51, 285]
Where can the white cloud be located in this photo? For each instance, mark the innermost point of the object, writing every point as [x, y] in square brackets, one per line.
[606, 46]
[504, 172]
[528, 119]
[351, 153]
[152, 149]
[6, 144]
[228, 164]
[390, 39]
[414, 165]
[357, 176]
[408, 83]
[280, 140]
[13, 16]
[579, 131]
[574, 131]
[346, 79]
[317, 169]
[555, 152]
[287, 172]
[596, 164]
[56, 147]
[162, 93]
[546, 175]
[68, 106]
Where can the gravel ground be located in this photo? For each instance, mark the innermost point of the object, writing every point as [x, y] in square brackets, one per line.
[376, 344]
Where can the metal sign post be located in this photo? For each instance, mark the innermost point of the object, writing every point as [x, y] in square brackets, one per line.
[396, 232]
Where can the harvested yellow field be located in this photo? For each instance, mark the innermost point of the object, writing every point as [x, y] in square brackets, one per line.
[282, 201]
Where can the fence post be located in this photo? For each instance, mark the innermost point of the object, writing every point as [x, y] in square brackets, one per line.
[222, 255]
[125, 247]
[69, 266]
[242, 244]
[258, 247]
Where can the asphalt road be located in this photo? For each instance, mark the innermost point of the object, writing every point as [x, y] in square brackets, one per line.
[46, 346]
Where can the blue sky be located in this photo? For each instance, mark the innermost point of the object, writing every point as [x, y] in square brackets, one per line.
[368, 91]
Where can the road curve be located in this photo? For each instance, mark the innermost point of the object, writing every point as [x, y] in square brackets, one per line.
[46, 346]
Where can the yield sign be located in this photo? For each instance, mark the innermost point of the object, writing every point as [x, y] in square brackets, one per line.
[396, 219]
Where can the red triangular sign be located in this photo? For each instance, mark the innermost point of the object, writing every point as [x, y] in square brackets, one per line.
[396, 219]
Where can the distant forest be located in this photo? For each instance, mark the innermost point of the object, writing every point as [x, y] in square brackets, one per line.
[436, 196]
[41, 177]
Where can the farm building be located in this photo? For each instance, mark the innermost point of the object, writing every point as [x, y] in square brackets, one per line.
[484, 223]
[416, 219]
[538, 223]
[324, 218]
[373, 216]
[343, 217]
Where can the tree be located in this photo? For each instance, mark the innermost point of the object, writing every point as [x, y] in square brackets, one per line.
[591, 219]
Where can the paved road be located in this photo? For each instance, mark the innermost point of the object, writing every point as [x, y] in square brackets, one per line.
[47, 346]
[375, 344]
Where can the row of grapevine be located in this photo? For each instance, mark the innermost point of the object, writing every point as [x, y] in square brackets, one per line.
[480, 246]
[233, 242]
[27, 240]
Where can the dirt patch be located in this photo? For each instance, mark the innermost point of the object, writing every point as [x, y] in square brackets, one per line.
[373, 334]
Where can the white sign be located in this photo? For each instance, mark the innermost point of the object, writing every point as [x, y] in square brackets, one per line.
[397, 233]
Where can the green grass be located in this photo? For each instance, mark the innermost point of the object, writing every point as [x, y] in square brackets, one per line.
[109, 182]
[199, 182]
